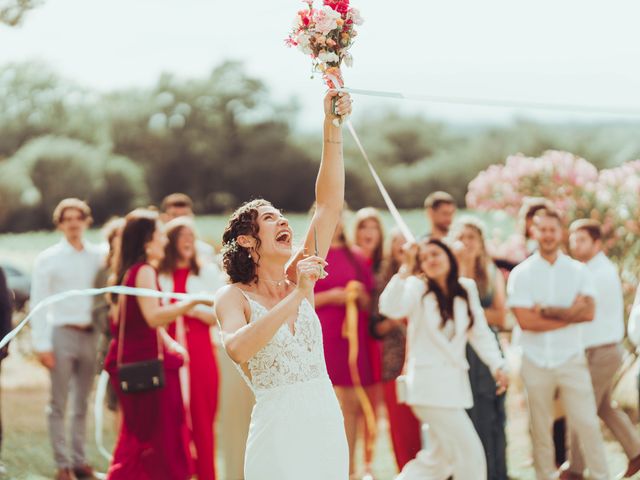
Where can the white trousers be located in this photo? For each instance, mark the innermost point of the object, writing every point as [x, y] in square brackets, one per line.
[454, 448]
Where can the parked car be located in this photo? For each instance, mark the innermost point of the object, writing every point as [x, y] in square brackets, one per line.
[19, 282]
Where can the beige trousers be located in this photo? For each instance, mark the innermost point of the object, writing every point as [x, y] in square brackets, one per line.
[454, 448]
[573, 381]
[234, 415]
[604, 362]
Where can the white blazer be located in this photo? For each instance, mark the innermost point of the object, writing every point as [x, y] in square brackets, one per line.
[437, 368]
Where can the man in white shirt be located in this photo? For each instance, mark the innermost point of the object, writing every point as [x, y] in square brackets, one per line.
[551, 294]
[63, 334]
[602, 338]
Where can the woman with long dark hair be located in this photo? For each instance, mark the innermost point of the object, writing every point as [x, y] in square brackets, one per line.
[182, 272]
[152, 443]
[270, 328]
[444, 314]
[488, 413]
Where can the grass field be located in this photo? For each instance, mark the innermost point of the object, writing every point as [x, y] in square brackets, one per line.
[21, 249]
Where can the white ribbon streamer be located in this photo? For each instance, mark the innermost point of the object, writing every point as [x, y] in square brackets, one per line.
[103, 380]
[404, 228]
[406, 232]
[503, 103]
[90, 292]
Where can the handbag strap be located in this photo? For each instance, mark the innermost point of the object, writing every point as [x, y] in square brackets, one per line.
[122, 308]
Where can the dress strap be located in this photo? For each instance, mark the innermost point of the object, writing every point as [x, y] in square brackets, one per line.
[244, 294]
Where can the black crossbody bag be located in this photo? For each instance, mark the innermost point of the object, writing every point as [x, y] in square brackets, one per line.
[139, 376]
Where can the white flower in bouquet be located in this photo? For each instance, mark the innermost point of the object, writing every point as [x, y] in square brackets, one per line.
[303, 42]
[355, 17]
[348, 60]
[326, 19]
[328, 57]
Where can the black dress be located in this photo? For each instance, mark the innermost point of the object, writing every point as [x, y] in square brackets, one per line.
[488, 413]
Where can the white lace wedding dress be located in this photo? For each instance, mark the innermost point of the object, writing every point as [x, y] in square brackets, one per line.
[297, 429]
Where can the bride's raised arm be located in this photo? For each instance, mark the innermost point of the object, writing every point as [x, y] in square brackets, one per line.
[329, 183]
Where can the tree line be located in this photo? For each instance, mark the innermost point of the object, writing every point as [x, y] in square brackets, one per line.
[222, 140]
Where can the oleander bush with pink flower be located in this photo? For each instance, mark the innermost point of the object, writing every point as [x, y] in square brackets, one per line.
[578, 190]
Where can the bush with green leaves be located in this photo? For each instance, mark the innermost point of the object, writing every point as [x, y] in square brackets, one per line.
[48, 169]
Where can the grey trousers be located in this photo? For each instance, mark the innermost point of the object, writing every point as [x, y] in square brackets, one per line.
[74, 371]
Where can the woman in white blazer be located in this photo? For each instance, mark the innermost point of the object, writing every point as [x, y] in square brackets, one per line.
[444, 314]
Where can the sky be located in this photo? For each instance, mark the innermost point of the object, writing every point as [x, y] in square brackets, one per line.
[583, 52]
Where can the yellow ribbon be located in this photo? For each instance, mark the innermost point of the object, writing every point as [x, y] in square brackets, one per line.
[350, 332]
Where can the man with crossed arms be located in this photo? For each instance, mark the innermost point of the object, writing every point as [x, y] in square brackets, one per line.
[551, 294]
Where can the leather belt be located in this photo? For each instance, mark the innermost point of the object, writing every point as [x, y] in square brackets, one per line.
[81, 328]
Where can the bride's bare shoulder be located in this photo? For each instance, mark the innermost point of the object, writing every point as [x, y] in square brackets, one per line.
[232, 293]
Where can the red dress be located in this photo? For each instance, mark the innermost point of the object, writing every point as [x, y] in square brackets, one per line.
[151, 443]
[202, 384]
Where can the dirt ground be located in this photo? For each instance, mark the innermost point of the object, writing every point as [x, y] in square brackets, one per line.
[27, 454]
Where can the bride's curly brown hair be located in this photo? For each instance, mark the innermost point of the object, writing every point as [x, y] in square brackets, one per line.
[236, 260]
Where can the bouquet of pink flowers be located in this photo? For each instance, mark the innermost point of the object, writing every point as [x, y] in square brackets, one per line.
[326, 34]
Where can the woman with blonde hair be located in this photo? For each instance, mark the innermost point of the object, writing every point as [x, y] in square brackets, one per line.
[349, 271]
[488, 412]
[369, 236]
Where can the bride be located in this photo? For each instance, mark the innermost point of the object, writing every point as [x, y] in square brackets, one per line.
[271, 331]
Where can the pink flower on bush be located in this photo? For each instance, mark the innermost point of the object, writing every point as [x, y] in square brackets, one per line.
[611, 196]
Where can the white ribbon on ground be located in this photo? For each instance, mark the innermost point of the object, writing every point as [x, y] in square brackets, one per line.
[98, 413]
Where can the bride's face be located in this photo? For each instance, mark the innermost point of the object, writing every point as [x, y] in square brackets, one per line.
[275, 234]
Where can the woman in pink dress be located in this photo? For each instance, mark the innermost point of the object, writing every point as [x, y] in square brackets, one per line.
[151, 443]
[181, 272]
[346, 264]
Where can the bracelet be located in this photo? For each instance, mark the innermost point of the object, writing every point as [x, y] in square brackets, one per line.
[334, 142]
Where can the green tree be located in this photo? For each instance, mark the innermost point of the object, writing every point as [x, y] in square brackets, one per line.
[49, 169]
[35, 101]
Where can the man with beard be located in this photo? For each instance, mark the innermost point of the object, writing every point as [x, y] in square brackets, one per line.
[602, 339]
[550, 295]
[440, 208]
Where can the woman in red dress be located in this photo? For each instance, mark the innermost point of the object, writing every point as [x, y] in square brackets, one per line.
[181, 272]
[151, 444]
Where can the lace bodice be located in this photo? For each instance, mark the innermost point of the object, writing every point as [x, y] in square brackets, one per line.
[289, 357]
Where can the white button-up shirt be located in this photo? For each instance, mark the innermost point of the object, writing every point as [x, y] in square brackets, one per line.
[57, 269]
[608, 324]
[537, 282]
